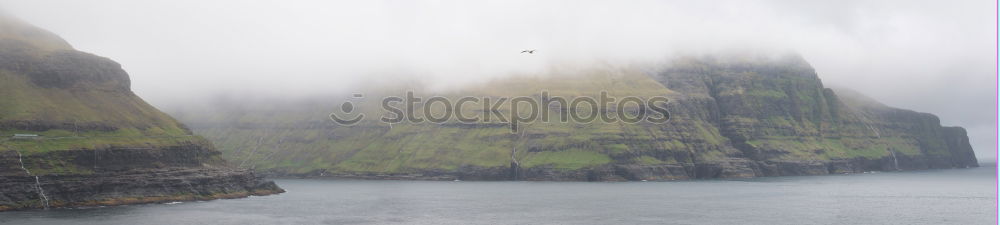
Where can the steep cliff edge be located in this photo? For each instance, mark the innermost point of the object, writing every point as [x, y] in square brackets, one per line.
[72, 133]
[776, 111]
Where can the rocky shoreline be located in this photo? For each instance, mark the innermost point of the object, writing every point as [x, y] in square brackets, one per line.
[109, 177]
[134, 187]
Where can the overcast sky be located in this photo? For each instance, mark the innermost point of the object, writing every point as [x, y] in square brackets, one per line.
[929, 56]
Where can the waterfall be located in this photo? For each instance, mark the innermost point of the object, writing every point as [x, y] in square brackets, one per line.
[38, 183]
[892, 153]
[514, 159]
[22, 163]
[895, 162]
[866, 121]
[870, 127]
[514, 164]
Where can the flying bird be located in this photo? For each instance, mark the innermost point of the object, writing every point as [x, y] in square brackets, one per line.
[529, 51]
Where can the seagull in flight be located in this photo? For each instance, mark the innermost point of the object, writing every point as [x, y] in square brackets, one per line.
[532, 51]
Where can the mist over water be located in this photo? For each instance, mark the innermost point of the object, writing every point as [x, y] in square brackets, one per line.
[929, 56]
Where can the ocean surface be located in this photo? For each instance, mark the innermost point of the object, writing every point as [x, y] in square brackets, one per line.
[958, 196]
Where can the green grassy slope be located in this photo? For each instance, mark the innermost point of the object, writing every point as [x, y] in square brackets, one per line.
[73, 100]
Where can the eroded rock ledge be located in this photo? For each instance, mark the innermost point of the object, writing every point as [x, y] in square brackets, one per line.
[107, 177]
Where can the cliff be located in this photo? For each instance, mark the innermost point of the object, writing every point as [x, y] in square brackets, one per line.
[72, 133]
[776, 113]
[736, 115]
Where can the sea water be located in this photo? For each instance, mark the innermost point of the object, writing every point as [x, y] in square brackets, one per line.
[956, 196]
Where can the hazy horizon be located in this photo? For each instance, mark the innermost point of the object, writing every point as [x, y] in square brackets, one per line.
[927, 56]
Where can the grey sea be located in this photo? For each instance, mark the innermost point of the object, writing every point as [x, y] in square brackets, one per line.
[957, 196]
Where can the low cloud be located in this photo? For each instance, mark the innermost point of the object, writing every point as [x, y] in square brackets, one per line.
[931, 56]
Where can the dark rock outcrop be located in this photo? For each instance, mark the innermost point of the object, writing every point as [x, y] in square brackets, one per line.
[99, 177]
[62, 68]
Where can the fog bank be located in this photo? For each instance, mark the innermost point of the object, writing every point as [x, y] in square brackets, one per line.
[929, 56]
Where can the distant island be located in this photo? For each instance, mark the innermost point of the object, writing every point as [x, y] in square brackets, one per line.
[73, 134]
[734, 115]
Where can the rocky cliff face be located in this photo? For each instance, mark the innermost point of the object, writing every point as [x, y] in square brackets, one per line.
[116, 176]
[94, 142]
[776, 113]
[739, 115]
